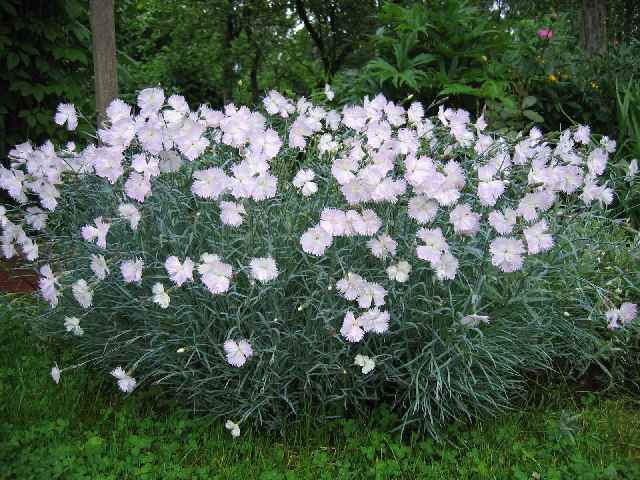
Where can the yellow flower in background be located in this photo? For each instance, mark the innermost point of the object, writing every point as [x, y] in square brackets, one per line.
[552, 78]
[595, 85]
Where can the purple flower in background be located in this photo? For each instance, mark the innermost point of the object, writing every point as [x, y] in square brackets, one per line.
[545, 33]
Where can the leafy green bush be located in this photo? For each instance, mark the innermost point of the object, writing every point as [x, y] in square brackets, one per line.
[195, 250]
[45, 55]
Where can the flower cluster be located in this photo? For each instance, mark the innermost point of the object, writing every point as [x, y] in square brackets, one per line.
[415, 197]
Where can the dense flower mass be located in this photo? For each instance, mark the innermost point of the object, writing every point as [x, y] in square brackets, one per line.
[254, 254]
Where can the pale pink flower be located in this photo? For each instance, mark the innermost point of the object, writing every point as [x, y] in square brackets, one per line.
[210, 183]
[47, 283]
[137, 187]
[351, 329]
[72, 324]
[126, 382]
[506, 253]
[334, 222]
[66, 113]
[160, 297]
[179, 272]
[537, 238]
[351, 286]
[374, 320]
[434, 244]
[132, 270]
[383, 246]
[316, 240]
[422, 209]
[97, 233]
[446, 267]
[399, 271]
[464, 220]
[215, 274]
[263, 269]
[82, 293]
[130, 213]
[238, 352]
[231, 213]
[503, 223]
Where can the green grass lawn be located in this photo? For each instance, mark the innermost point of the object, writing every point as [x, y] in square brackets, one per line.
[84, 428]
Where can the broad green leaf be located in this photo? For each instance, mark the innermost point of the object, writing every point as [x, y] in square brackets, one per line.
[533, 116]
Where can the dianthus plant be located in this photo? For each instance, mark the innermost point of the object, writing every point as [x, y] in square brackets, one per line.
[257, 262]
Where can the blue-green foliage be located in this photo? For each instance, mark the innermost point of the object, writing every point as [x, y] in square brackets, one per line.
[433, 369]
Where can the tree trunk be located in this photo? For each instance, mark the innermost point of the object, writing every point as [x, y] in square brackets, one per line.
[105, 64]
[594, 26]
[227, 65]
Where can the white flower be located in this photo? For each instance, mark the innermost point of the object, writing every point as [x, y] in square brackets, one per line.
[130, 213]
[506, 253]
[435, 244]
[371, 293]
[422, 209]
[30, 250]
[597, 161]
[399, 272]
[465, 222]
[351, 329]
[374, 320]
[137, 187]
[231, 213]
[613, 316]
[179, 272]
[99, 266]
[263, 269]
[582, 134]
[367, 363]
[351, 286]
[330, 94]
[632, 169]
[233, 428]
[490, 191]
[160, 296]
[334, 222]
[304, 181]
[150, 101]
[210, 183]
[97, 233]
[628, 312]
[474, 320]
[126, 383]
[55, 373]
[369, 225]
[382, 246]
[315, 241]
[35, 217]
[446, 267]
[214, 273]
[503, 223]
[537, 238]
[72, 324]
[132, 270]
[66, 113]
[238, 352]
[47, 284]
[82, 293]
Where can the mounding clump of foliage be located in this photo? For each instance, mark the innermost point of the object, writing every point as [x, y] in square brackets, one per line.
[257, 263]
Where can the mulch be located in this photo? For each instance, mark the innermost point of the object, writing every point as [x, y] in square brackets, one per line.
[17, 278]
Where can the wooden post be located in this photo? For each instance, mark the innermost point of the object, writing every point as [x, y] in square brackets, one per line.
[594, 26]
[105, 64]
